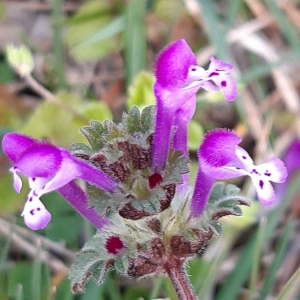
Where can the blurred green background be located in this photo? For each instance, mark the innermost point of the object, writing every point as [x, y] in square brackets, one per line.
[97, 58]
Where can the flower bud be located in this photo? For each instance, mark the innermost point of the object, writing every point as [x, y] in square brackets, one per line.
[20, 58]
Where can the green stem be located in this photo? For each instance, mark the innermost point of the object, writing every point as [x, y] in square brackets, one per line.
[52, 98]
[58, 47]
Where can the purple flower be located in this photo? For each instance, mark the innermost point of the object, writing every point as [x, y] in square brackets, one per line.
[291, 159]
[221, 158]
[49, 168]
[178, 78]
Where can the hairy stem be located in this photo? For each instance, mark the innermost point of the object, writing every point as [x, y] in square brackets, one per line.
[179, 280]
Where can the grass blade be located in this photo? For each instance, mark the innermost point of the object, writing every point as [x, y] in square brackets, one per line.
[3, 261]
[256, 259]
[257, 72]
[233, 8]
[215, 33]
[58, 47]
[232, 285]
[135, 39]
[291, 288]
[19, 294]
[5, 249]
[213, 271]
[280, 252]
[157, 287]
[286, 28]
[114, 27]
[36, 277]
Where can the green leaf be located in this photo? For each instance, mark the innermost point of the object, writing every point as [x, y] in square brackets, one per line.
[222, 192]
[80, 149]
[133, 121]
[51, 122]
[91, 30]
[97, 111]
[121, 264]
[91, 263]
[148, 118]
[216, 227]
[141, 93]
[249, 217]
[195, 135]
[93, 134]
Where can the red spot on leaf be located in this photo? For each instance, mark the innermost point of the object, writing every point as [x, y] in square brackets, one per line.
[154, 180]
[114, 245]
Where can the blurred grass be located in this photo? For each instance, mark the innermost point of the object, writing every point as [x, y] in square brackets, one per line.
[58, 45]
[135, 39]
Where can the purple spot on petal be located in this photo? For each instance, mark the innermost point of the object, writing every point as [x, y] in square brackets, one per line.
[237, 168]
[35, 194]
[261, 184]
[255, 172]
[32, 212]
[244, 157]
[30, 199]
[38, 209]
[33, 179]
[223, 83]
[219, 70]
[213, 74]
[194, 69]
[267, 173]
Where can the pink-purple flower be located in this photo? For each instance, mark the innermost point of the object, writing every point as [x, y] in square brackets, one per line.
[178, 78]
[291, 160]
[49, 168]
[220, 158]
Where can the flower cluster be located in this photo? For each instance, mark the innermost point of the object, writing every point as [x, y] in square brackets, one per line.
[150, 220]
